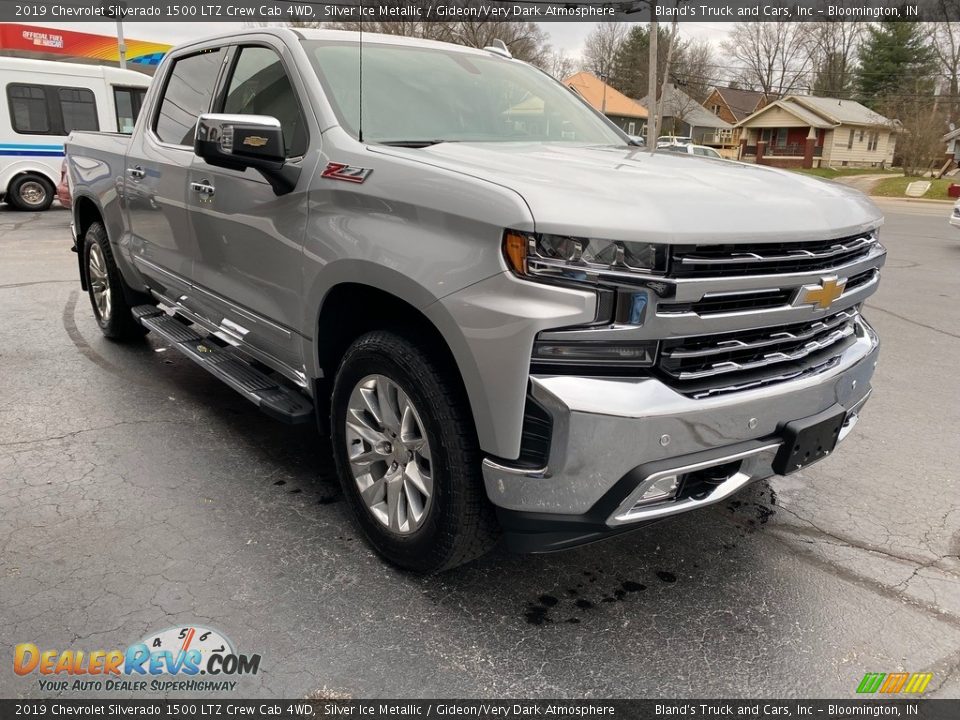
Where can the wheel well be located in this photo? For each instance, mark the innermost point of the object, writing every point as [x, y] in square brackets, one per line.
[38, 173]
[86, 213]
[353, 309]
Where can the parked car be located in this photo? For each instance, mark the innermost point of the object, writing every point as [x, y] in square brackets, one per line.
[638, 140]
[665, 140]
[507, 320]
[701, 150]
[45, 101]
[955, 215]
[63, 187]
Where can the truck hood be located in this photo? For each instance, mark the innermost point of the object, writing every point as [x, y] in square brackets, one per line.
[626, 193]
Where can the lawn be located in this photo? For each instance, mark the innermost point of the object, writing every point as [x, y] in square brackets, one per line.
[897, 186]
[830, 173]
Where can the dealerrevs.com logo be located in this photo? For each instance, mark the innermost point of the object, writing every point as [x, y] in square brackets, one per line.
[176, 659]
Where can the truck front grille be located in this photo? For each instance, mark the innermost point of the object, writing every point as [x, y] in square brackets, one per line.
[708, 365]
[690, 261]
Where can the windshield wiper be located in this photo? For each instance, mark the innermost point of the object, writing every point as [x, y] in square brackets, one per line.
[412, 143]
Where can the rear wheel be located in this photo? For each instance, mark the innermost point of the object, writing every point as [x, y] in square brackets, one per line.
[105, 287]
[407, 455]
[30, 192]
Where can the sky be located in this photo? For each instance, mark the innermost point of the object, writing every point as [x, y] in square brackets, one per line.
[566, 36]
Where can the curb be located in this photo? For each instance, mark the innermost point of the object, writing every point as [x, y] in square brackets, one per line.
[913, 200]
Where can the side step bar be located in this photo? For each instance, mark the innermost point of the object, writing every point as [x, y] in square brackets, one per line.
[276, 400]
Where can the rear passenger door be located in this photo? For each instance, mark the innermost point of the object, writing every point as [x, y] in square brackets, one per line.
[157, 168]
[249, 240]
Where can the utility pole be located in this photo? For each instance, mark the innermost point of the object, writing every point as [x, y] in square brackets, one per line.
[652, 80]
[121, 45]
[117, 10]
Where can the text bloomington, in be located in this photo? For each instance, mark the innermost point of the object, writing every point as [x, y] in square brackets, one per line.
[797, 12]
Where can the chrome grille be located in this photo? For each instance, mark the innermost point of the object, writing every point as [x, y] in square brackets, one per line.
[706, 365]
[689, 261]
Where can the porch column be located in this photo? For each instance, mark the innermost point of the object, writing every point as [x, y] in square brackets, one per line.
[743, 147]
[761, 149]
[808, 148]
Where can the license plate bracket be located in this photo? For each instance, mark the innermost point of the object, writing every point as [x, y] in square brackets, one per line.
[808, 440]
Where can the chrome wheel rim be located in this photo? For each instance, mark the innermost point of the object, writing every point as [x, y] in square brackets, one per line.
[389, 454]
[99, 282]
[33, 192]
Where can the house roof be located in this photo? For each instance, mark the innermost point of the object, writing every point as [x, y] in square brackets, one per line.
[822, 112]
[951, 135]
[677, 104]
[591, 88]
[742, 103]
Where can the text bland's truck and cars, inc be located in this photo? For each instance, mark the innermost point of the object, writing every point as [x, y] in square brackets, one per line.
[509, 319]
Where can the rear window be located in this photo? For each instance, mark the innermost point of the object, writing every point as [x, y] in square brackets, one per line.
[186, 96]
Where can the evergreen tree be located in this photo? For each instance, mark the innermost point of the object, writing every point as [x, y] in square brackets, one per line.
[895, 62]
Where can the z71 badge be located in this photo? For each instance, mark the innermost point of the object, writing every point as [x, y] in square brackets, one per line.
[347, 173]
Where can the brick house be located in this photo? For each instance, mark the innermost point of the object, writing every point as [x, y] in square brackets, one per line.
[732, 105]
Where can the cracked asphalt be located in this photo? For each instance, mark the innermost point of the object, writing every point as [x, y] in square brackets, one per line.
[138, 493]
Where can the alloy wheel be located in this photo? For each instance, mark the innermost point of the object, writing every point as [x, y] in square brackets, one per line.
[99, 282]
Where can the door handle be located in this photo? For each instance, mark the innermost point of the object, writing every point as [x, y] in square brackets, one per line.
[204, 188]
[136, 172]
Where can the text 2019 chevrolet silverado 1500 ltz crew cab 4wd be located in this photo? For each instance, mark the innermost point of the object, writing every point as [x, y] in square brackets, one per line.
[509, 320]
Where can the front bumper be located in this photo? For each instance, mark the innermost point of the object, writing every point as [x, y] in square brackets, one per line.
[613, 437]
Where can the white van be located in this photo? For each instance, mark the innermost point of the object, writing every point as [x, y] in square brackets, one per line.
[41, 102]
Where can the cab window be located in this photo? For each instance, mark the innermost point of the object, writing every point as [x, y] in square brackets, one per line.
[186, 96]
[259, 85]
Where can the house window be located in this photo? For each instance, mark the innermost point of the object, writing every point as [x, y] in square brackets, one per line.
[861, 134]
[850, 141]
[631, 128]
[781, 137]
[715, 109]
[874, 141]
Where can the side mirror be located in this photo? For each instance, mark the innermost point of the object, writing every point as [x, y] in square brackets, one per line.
[239, 142]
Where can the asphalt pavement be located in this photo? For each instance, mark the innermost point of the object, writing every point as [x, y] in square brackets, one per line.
[137, 493]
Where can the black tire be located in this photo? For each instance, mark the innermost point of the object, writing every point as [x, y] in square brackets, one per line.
[459, 524]
[30, 192]
[111, 310]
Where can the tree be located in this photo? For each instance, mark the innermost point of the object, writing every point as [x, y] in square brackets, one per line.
[602, 47]
[560, 65]
[632, 59]
[774, 56]
[695, 69]
[895, 64]
[833, 56]
[945, 42]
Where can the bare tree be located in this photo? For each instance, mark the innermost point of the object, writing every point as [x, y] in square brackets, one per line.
[832, 47]
[696, 70]
[560, 65]
[774, 56]
[601, 46]
[944, 35]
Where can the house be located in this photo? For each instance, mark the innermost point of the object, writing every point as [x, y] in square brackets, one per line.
[629, 115]
[732, 105]
[807, 131]
[684, 116]
[952, 139]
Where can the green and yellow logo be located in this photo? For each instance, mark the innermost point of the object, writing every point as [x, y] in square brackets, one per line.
[894, 682]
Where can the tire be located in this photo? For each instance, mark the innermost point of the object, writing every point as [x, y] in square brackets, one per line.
[30, 192]
[105, 288]
[456, 522]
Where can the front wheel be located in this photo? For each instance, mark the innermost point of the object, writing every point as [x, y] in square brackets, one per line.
[407, 455]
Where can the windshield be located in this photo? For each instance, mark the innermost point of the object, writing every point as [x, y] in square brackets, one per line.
[415, 94]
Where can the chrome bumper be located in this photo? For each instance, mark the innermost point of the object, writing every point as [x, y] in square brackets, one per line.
[604, 428]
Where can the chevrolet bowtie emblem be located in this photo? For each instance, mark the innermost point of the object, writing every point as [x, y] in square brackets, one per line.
[822, 295]
[254, 141]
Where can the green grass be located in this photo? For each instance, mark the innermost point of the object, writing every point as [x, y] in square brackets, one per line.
[830, 173]
[897, 186]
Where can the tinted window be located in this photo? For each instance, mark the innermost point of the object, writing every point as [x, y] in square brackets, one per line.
[78, 109]
[260, 86]
[187, 96]
[28, 109]
[128, 102]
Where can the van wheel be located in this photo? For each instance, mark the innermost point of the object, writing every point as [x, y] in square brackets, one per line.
[30, 192]
[408, 457]
[105, 287]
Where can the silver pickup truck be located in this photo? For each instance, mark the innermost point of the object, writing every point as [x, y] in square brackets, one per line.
[509, 320]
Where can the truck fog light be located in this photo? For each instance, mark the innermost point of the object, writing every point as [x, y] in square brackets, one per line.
[606, 354]
[660, 489]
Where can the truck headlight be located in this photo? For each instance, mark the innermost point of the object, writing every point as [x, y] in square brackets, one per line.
[562, 257]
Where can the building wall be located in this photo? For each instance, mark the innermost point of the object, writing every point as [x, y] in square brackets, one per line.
[724, 113]
[837, 154]
[776, 117]
[624, 124]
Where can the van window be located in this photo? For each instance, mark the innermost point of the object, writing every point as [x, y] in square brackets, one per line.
[78, 109]
[28, 109]
[51, 110]
[187, 96]
[128, 101]
[260, 86]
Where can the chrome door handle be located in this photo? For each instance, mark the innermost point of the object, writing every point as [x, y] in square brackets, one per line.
[204, 188]
[136, 172]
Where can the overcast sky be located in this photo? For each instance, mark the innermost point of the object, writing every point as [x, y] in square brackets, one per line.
[567, 36]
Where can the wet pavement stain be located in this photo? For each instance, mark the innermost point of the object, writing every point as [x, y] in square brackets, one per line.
[667, 577]
[631, 586]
